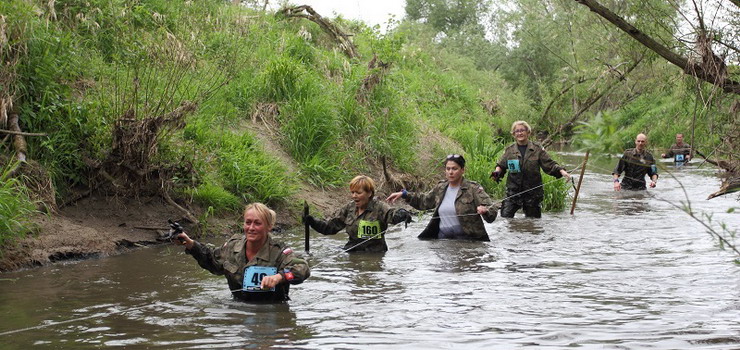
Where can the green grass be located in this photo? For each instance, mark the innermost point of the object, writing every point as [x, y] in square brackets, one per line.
[16, 209]
[80, 74]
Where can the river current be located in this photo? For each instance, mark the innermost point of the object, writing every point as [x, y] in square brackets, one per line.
[627, 271]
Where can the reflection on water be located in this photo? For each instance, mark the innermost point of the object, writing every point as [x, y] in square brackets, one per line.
[627, 271]
[525, 225]
[628, 202]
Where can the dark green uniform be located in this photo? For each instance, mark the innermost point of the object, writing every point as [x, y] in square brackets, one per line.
[635, 166]
[679, 153]
[231, 261]
[524, 183]
[469, 197]
[366, 231]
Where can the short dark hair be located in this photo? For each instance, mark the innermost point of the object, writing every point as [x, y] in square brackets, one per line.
[457, 158]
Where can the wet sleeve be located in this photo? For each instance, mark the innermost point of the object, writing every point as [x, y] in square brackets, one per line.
[422, 201]
[387, 214]
[620, 165]
[502, 164]
[549, 166]
[653, 169]
[332, 225]
[207, 258]
[670, 153]
[293, 268]
[482, 198]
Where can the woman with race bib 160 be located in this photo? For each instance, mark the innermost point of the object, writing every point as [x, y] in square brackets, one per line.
[365, 218]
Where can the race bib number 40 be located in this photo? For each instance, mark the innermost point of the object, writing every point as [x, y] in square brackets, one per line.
[513, 165]
[368, 230]
[253, 276]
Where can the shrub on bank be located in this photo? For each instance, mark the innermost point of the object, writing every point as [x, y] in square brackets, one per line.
[16, 209]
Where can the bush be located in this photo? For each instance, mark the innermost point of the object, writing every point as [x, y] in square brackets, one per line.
[249, 172]
[16, 209]
[215, 196]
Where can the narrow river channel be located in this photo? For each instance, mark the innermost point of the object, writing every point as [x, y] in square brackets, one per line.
[627, 271]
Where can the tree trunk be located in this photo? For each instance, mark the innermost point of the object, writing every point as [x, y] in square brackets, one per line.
[693, 69]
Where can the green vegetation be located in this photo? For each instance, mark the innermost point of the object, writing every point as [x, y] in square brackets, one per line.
[450, 78]
[15, 207]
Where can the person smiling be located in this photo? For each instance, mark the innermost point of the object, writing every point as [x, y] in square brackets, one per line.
[256, 266]
[458, 205]
[365, 218]
[523, 160]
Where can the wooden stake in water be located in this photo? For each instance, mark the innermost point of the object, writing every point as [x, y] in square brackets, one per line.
[578, 188]
[305, 214]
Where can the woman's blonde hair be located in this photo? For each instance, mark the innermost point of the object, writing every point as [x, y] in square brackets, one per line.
[363, 182]
[520, 122]
[266, 214]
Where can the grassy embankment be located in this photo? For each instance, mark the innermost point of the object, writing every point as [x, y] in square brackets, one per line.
[88, 71]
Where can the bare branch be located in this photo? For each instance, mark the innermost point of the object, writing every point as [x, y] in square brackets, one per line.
[11, 132]
[330, 28]
[694, 69]
[589, 102]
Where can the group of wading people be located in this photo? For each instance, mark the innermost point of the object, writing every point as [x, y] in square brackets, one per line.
[259, 268]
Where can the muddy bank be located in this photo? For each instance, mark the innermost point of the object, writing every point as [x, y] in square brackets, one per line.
[92, 227]
[97, 227]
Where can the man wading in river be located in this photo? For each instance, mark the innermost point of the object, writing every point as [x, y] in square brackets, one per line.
[636, 163]
[679, 151]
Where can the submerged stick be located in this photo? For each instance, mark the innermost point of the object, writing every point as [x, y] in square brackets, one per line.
[578, 188]
[305, 223]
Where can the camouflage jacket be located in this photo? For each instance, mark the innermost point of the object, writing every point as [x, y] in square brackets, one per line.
[684, 149]
[469, 197]
[230, 260]
[524, 173]
[366, 231]
[635, 166]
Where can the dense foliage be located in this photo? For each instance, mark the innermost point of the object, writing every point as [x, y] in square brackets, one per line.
[452, 78]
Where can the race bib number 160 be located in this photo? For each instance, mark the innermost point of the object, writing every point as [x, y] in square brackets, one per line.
[368, 229]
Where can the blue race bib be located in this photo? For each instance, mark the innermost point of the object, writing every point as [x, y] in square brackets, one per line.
[513, 166]
[253, 276]
[679, 158]
[654, 168]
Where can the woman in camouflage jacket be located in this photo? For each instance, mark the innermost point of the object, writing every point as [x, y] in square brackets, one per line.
[523, 160]
[257, 267]
[365, 218]
[458, 205]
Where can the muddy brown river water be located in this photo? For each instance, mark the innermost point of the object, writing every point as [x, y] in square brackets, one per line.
[628, 271]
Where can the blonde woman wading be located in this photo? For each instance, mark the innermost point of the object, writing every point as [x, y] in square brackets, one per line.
[523, 161]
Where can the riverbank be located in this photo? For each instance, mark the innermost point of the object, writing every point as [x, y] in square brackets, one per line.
[98, 226]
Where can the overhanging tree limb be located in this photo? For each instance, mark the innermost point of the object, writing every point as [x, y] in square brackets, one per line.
[345, 44]
[593, 98]
[728, 85]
